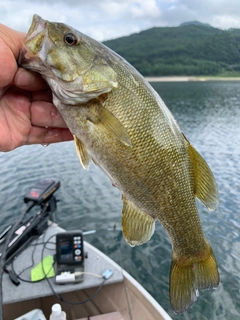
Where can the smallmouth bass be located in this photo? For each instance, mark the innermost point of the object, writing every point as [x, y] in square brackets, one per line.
[122, 125]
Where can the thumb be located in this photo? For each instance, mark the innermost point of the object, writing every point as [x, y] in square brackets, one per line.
[28, 80]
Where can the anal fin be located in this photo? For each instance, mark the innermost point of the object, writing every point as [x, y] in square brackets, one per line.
[82, 153]
[137, 226]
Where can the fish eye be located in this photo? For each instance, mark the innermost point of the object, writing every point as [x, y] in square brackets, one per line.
[70, 39]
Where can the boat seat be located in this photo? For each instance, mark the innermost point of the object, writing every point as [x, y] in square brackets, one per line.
[106, 316]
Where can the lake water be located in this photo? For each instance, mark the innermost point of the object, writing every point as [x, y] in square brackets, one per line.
[209, 114]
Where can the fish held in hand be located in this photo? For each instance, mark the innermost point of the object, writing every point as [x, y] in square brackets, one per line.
[122, 125]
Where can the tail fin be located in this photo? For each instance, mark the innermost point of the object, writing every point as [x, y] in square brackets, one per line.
[187, 278]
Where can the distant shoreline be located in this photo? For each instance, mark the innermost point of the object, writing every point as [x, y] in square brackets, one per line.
[189, 78]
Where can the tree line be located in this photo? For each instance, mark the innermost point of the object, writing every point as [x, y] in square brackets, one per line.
[190, 49]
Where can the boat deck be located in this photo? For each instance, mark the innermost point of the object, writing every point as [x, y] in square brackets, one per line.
[95, 263]
[120, 298]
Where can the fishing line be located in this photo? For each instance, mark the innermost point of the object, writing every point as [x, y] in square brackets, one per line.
[115, 229]
[32, 264]
[125, 287]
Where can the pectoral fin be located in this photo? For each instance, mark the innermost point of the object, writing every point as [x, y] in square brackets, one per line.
[103, 118]
[137, 226]
[82, 153]
[205, 184]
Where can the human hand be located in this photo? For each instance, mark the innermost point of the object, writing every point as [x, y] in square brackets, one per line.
[27, 115]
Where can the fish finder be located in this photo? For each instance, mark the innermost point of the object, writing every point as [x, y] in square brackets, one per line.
[69, 266]
[69, 248]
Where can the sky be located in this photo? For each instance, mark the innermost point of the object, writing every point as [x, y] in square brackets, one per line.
[110, 19]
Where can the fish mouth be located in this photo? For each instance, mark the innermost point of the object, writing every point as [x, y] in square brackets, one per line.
[37, 26]
[33, 46]
[71, 82]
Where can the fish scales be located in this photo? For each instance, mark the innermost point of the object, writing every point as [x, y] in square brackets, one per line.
[120, 122]
[151, 153]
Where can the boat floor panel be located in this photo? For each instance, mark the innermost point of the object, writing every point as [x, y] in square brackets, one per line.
[95, 263]
[120, 298]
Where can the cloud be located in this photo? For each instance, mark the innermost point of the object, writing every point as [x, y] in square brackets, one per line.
[108, 19]
[223, 14]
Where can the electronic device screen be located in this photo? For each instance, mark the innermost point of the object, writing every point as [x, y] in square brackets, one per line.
[65, 249]
[69, 247]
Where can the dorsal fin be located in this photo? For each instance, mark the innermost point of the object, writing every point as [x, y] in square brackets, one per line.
[137, 226]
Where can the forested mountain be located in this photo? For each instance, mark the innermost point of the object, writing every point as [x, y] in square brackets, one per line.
[191, 49]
